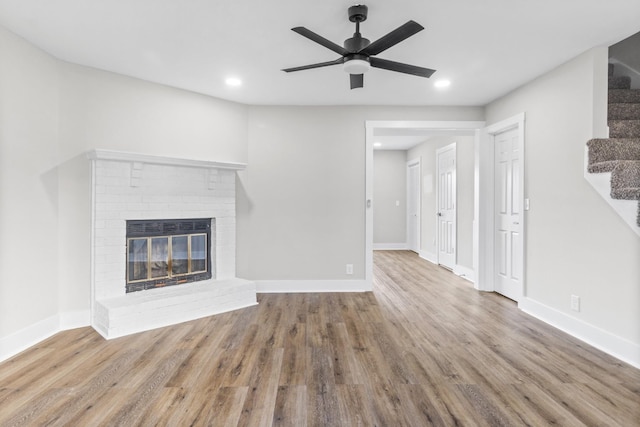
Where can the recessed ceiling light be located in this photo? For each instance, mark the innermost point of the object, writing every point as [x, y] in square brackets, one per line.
[233, 82]
[377, 144]
[442, 83]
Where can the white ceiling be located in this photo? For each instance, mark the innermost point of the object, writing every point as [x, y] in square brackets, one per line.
[486, 48]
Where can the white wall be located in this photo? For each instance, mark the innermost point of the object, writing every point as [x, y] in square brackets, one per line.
[576, 244]
[28, 184]
[389, 197]
[301, 215]
[465, 181]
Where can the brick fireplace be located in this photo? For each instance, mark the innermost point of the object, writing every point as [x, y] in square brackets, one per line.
[136, 189]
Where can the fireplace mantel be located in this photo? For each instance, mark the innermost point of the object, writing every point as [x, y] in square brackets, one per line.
[125, 156]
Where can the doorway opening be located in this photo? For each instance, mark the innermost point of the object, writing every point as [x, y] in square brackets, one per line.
[376, 130]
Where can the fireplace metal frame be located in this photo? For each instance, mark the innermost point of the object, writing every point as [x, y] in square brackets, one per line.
[168, 229]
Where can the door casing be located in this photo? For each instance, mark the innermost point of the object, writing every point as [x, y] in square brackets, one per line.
[413, 197]
[448, 260]
[485, 205]
[371, 126]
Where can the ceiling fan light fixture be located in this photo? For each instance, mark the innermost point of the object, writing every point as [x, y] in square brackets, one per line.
[356, 66]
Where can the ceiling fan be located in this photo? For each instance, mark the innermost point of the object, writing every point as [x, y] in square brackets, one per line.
[358, 54]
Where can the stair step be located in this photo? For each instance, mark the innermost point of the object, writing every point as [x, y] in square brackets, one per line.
[605, 153]
[624, 111]
[617, 96]
[621, 82]
[610, 70]
[625, 180]
[624, 128]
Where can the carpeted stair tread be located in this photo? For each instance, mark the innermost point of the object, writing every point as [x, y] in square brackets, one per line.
[624, 111]
[625, 180]
[620, 82]
[624, 128]
[617, 96]
[605, 153]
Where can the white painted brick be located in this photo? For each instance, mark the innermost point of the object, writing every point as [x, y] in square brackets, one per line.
[160, 192]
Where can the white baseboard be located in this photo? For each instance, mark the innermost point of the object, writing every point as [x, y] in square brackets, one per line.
[617, 347]
[464, 272]
[32, 335]
[390, 247]
[304, 286]
[432, 258]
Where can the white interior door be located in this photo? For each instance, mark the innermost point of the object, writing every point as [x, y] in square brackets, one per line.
[446, 205]
[413, 206]
[508, 221]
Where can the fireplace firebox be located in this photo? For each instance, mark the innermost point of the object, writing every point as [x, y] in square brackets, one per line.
[168, 252]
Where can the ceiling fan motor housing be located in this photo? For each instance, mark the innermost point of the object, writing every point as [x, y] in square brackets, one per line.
[356, 43]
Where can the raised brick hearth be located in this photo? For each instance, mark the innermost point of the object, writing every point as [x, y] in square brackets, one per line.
[129, 186]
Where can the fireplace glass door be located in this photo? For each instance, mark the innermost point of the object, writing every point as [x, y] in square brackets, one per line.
[163, 260]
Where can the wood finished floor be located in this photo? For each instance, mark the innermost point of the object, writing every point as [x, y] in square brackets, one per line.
[423, 349]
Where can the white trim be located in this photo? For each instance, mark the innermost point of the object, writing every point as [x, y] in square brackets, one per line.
[411, 164]
[486, 203]
[29, 336]
[368, 205]
[613, 345]
[476, 206]
[451, 147]
[40, 331]
[390, 247]
[464, 272]
[305, 286]
[429, 256]
[123, 156]
[370, 126]
[92, 255]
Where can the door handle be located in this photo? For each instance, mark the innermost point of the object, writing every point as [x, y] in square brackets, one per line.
[439, 214]
[516, 223]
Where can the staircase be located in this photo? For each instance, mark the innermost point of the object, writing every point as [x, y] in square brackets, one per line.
[619, 154]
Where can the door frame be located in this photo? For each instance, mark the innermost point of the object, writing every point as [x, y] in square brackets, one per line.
[370, 133]
[411, 164]
[485, 272]
[451, 147]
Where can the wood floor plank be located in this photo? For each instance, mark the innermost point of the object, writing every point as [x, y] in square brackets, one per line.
[424, 348]
[291, 406]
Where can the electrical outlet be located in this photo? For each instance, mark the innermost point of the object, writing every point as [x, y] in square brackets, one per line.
[575, 303]
[349, 268]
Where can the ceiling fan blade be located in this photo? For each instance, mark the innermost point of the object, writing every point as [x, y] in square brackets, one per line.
[400, 67]
[357, 80]
[320, 40]
[318, 65]
[393, 38]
